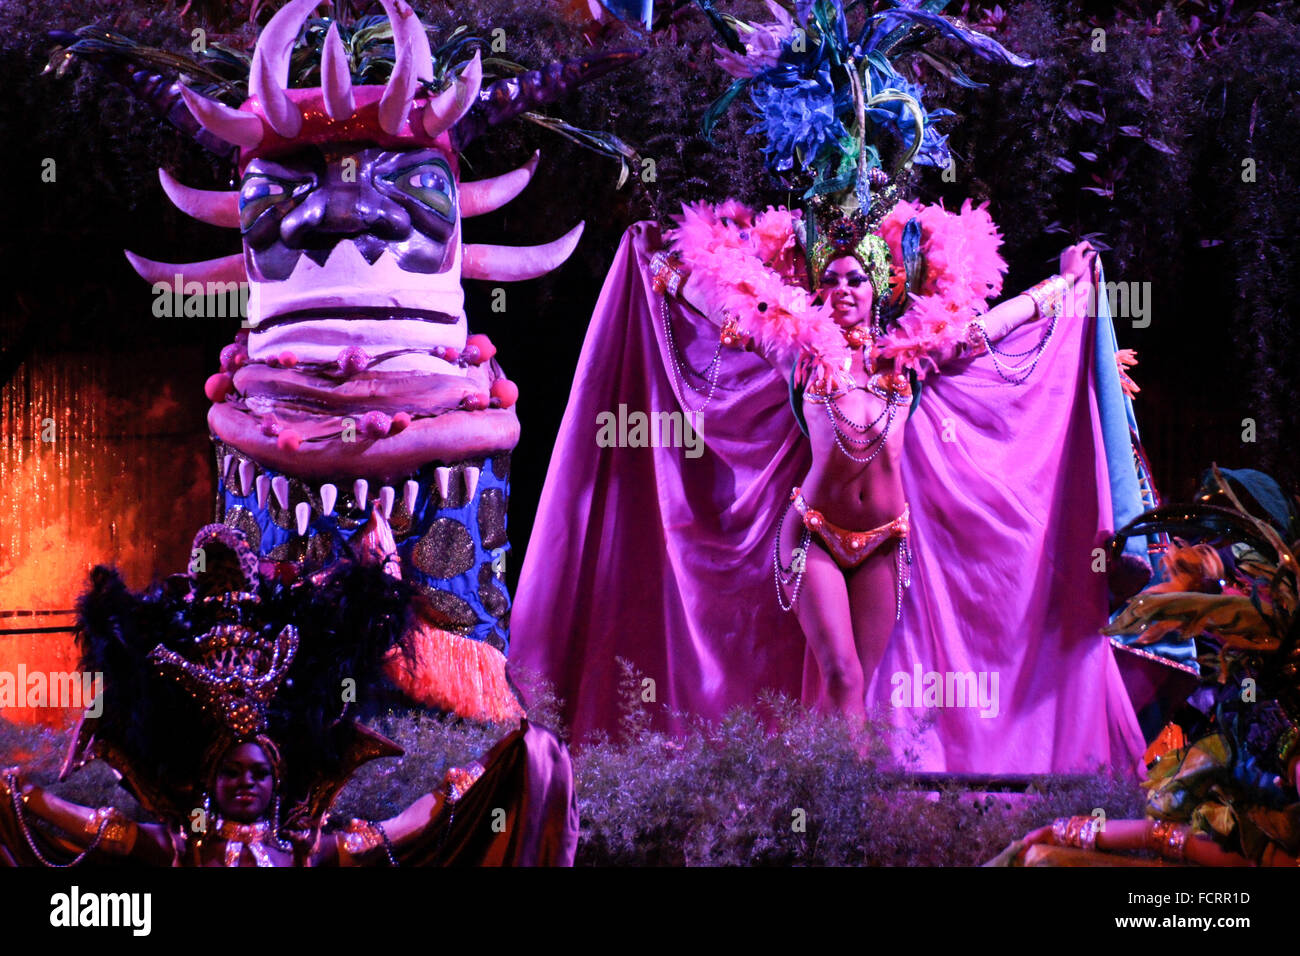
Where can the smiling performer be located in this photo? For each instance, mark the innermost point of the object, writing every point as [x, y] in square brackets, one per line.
[902, 487]
[231, 735]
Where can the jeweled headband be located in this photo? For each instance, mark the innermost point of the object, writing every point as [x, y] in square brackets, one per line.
[849, 236]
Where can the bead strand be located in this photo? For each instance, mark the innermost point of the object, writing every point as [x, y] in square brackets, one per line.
[12, 782]
[711, 372]
[784, 575]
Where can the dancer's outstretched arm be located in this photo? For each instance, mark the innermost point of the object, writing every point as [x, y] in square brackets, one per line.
[1074, 284]
[363, 841]
[106, 828]
[1172, 841]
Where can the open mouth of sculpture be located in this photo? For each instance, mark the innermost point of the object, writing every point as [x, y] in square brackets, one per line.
[357, 312]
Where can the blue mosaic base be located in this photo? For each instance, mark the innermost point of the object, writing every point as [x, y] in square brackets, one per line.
[454, 550]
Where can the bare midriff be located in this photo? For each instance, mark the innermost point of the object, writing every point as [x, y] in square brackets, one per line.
[855, 495]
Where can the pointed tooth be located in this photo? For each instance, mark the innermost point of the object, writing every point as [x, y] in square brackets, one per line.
[225, 468]
[471, 483]
[328, 495]
[280, 485]
[386, 496]
[409, 493]
[263, 489]
[303, 513]
[360, 488]
[246, 472]
[444, 482]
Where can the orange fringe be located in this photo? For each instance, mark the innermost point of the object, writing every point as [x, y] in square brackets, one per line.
[456, 674]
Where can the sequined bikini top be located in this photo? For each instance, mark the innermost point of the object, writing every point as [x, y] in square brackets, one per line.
[890, 386]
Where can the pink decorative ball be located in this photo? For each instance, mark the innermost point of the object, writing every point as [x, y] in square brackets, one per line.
[288, 440]
[218, 386]
[450, 353]
[233, 357]
[375, 424]
[353, 359]
[484, 345]
[288, 359]
[400, 422]
[505, 391]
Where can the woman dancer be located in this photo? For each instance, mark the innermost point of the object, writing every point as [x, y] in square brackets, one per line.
[847, 589]
[1010, 473]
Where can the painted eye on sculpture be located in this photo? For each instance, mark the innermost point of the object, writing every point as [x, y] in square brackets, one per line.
[258, 194]
[430, 184]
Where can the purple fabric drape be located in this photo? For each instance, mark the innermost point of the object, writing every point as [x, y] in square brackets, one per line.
[664, 559]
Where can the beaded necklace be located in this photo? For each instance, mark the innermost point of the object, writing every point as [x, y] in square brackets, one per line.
[860, 339]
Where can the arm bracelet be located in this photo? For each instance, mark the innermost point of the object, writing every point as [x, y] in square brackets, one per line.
[668, 277]
[1169, 839]
[112, 827]
[459, 780]
[1049, 296]
[1078, 832]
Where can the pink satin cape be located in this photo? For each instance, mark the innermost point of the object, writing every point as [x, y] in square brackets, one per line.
[664, 559]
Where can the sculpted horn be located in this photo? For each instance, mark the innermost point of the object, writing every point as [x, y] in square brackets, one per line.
[234, 126]
[485, 195]
[446, 109]
[268, 78]
[226, 269]
[515, 263]
[414, 62]
[336, 77]
[217, 207]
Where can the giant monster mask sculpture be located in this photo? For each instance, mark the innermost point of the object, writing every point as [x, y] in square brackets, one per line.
[355, 382]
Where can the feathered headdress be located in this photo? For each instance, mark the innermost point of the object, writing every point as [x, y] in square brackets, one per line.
[212, 658]
[831, 106]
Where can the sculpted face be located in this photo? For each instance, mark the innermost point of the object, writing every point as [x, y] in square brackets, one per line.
[245, 784]
[404, 202]
[848, 290]
[353, 244]
[349, 209]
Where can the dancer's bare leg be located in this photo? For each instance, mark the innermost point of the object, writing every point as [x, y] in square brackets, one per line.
[872, 595]
[825, 617]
